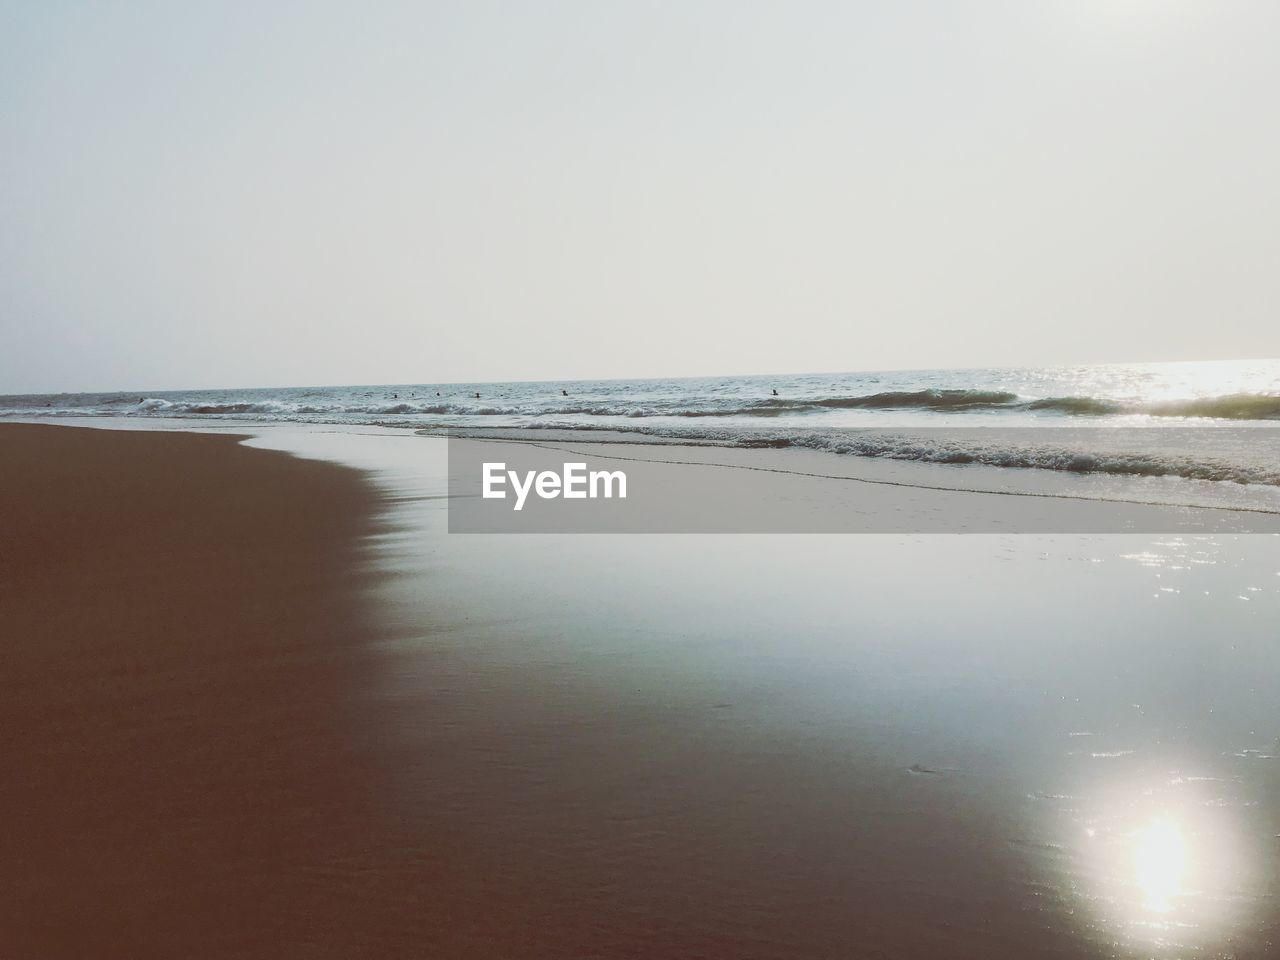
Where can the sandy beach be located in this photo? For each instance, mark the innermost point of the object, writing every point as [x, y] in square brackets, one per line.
[262, 705]
[183, 629]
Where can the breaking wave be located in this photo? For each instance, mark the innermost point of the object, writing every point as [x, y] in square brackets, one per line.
[642, 406]
[983, 448]
[887, 415]
[1236, 406]
[1241, 406]
[1044, 457]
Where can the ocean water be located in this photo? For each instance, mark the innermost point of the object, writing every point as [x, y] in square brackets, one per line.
[937, 416]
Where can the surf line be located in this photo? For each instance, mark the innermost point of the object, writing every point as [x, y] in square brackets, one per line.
[846, 477]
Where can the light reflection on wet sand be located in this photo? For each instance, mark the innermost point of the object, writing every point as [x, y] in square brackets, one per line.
[1166, 839]
[1057, 746]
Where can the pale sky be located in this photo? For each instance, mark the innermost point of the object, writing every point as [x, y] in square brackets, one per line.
[274, 193]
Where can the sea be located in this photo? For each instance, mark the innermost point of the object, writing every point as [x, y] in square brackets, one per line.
[1202, 421]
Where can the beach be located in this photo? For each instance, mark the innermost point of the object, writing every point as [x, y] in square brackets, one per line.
[259, 703]
[692, 481]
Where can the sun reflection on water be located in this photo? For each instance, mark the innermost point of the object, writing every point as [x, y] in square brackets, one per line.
[1158, 817]
[1160, 863]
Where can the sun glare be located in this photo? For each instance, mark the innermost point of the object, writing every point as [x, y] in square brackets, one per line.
[1160, 863]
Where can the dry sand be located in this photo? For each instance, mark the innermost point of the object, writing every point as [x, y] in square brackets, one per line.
[182, 631]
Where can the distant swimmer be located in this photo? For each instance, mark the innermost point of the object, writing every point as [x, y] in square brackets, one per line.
[437, 393]
[564, 393]
[477, 396]
[775, 392]
[395, 396]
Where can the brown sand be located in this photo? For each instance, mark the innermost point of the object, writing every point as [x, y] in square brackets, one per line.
[180, 619]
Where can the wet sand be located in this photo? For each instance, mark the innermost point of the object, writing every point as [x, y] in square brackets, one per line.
[258, 706]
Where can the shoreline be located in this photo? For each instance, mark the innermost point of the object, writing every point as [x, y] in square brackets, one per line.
[1068, 501]
[873, 472]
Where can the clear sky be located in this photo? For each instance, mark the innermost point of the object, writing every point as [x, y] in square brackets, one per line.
[272, 193]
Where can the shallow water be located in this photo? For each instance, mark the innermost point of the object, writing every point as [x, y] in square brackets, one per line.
[802, 746]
